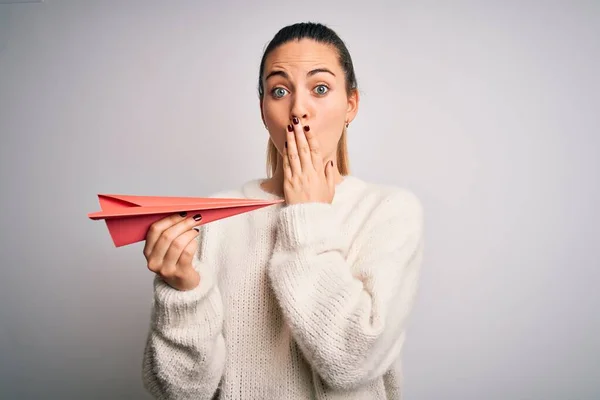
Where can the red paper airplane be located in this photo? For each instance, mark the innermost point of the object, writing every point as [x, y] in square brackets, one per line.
[128, 218]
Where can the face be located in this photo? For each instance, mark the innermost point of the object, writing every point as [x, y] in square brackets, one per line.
[304, 79]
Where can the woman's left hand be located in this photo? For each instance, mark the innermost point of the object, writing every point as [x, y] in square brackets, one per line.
[306, 178]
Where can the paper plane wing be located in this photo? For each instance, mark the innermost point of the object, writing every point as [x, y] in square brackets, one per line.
[128, 218]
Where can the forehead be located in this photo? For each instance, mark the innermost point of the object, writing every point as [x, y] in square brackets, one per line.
[302, 54]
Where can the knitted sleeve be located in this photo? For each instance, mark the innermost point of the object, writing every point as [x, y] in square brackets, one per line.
[348, 320]
[184, 355]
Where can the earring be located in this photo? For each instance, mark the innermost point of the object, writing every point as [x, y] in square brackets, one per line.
[347, 124]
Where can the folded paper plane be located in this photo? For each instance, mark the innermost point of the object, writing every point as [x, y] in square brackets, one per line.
[128, 218]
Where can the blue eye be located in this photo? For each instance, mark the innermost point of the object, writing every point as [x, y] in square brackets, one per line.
[278, 92]
[321, 89]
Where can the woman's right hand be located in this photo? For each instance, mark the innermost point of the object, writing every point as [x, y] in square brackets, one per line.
[170, 248]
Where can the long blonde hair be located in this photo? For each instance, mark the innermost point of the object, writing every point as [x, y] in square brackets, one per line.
[342, 162]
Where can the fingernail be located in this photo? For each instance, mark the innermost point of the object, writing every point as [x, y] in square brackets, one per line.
[196, 229]
[197, 217]
[306, 128]
[290, 128]
[295, 121]
[182, 214]
[331, 162]
[286, 144]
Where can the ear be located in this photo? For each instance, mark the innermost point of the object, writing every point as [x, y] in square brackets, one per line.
[353, 101]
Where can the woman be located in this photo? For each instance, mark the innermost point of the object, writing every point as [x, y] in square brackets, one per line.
[306, 299]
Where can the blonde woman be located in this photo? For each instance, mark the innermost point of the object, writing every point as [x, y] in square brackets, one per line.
[306, 299]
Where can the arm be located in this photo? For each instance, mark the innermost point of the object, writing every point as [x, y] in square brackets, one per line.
[185, 351]
[349, 320]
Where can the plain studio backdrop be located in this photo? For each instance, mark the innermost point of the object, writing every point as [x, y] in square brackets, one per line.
[488, 111]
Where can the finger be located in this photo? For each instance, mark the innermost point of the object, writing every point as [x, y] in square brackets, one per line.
[170, 234]
[287, 169]
[189, 252]
[157, 228]
[302, 146]
[292, 149]
[314, 146]
[178, 246]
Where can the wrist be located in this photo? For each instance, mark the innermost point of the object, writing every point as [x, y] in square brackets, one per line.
[306, 224]
[186, 282]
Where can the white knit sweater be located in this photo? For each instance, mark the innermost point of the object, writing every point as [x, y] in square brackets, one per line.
[305, 301]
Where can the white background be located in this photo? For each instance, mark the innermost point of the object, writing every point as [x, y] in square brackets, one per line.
[488, 111]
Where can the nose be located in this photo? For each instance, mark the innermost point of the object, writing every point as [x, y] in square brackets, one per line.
[300, 107]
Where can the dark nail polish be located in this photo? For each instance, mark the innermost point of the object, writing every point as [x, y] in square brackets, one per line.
[286, 144]
[197, 217]
[306, 128]
[295, 121]
[331, 162]
[182, 214]
[196, 229]
[290, 128]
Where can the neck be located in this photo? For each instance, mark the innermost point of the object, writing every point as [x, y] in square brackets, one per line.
[274, 184]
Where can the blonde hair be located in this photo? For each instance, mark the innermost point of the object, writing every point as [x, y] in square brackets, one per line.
[342, 161]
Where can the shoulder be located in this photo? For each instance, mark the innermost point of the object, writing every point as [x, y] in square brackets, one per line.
[386, 200]
[217, 233]
[249, 189]
[382, 213]
[381, 218]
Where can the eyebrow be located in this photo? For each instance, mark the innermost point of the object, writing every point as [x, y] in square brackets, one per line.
[309, 74]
